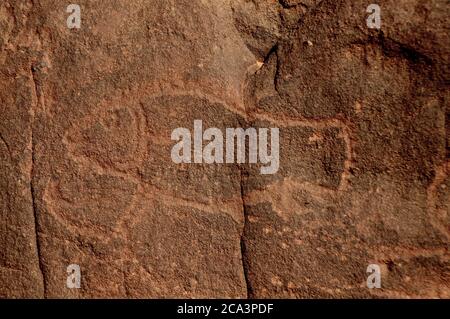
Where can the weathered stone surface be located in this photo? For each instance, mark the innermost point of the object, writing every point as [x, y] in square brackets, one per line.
[386, 93]
[86, 175]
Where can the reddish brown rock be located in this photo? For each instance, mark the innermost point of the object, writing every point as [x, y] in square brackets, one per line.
[86, 175]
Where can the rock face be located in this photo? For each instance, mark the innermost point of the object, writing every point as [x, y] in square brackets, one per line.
[86, 175]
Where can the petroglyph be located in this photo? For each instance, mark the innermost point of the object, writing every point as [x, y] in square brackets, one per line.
[85, 126]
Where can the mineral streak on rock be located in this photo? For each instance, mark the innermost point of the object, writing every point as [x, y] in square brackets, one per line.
[86, 176]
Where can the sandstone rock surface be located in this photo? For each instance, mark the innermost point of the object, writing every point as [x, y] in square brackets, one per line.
[86, 176]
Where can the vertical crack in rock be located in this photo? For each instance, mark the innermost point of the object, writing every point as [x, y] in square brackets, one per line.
[6, 145]
[244, 256]
[32, 181]
[248, 115]
[274, 51]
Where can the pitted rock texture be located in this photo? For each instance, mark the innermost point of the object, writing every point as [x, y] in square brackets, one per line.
[86, 176]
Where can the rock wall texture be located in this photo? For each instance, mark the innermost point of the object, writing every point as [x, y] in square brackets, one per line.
[86, 175]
